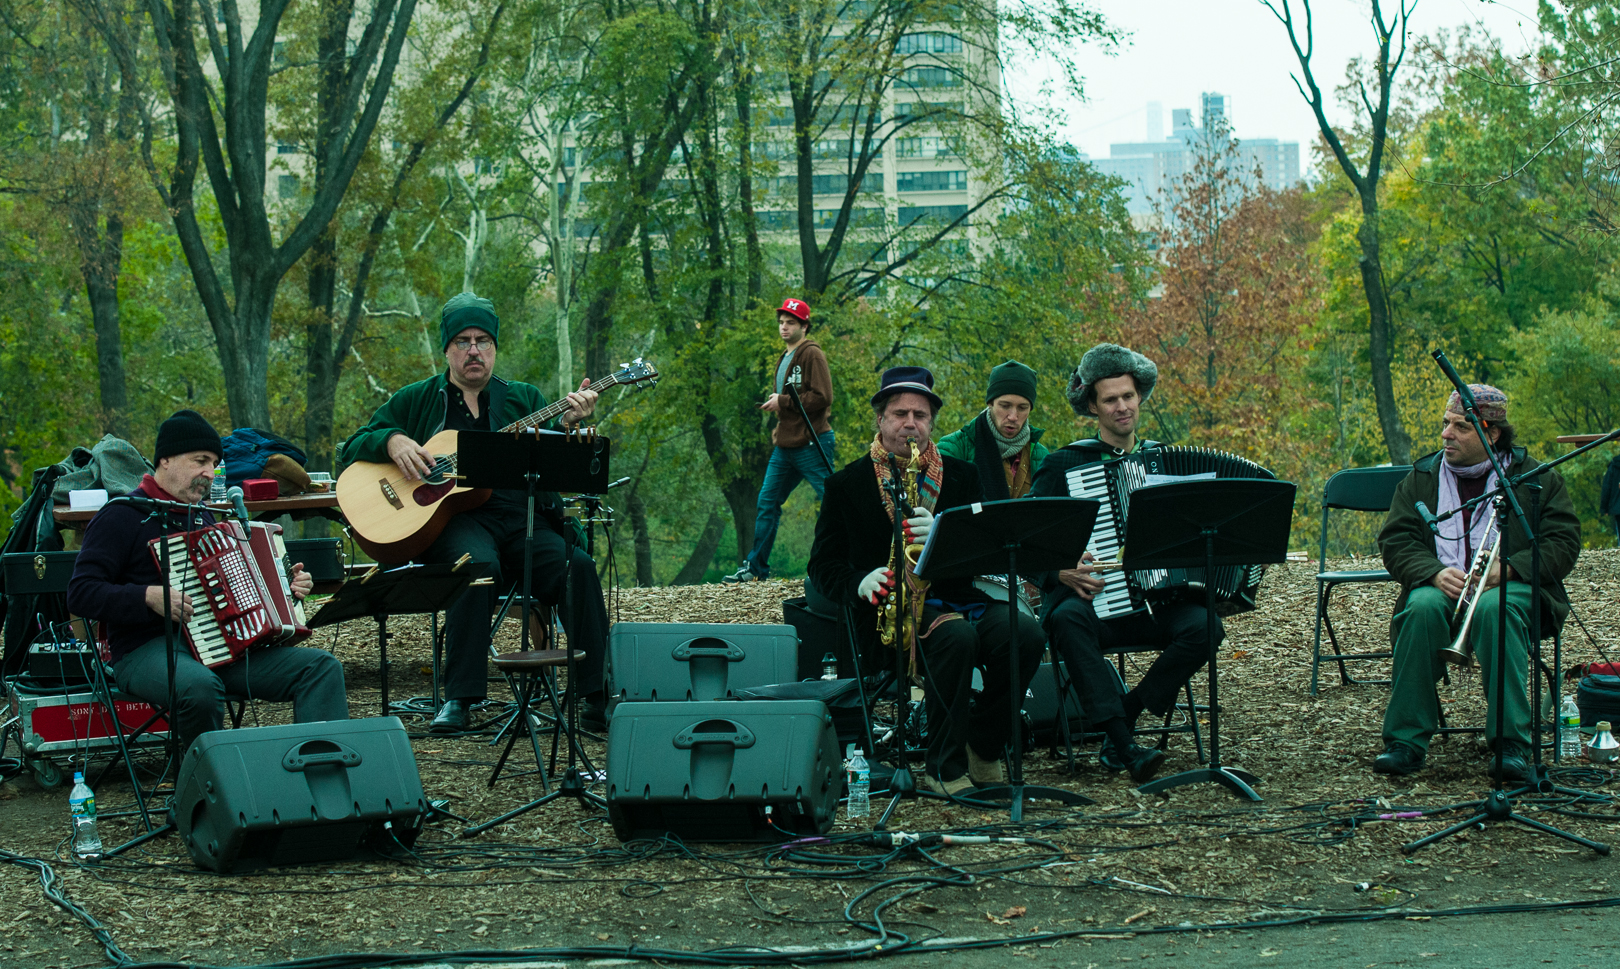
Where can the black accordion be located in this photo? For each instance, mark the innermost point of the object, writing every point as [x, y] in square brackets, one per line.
[1112, 482]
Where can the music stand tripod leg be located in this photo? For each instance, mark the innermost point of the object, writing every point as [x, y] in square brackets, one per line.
[572, 783]
[1015, 790]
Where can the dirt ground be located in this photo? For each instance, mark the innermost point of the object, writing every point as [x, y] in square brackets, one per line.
[1192, 860]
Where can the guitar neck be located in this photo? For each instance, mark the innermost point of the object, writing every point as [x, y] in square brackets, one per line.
[545, 414]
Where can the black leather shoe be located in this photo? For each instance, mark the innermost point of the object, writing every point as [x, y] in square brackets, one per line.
[1140, 762]
[452, 717]
[1399, 759]
[1515, 765]
[593, 713]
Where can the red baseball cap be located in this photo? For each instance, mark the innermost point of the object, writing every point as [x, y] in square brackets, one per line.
[796, 307]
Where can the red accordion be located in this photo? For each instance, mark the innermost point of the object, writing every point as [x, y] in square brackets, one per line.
[240, 591]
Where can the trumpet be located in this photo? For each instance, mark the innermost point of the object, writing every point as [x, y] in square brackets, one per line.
[1461, 650]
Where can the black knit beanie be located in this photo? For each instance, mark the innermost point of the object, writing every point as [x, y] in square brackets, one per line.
[184, 432]
[1012, 377]
[463, 310]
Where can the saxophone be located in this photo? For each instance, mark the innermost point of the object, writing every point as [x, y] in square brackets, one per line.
[900, 612]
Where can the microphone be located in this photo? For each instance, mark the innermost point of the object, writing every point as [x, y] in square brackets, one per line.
[1428, 517]
[1463, 392]
[621, 481]
[237, 502]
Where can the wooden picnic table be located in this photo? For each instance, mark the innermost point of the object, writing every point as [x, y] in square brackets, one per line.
[323, 504]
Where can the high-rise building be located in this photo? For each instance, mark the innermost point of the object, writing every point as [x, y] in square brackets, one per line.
[1154, 167]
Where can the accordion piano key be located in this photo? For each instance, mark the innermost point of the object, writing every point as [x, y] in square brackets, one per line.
[1112, 483]
[240, 595]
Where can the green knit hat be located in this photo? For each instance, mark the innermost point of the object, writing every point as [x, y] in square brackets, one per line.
[1012, 377]
[464, 310]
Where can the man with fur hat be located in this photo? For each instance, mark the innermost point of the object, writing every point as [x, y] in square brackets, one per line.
[469, 397]
[999, 441]
[116, 582]
[1431, 568]
[795, 456]
[1110, 386]
[849, 568]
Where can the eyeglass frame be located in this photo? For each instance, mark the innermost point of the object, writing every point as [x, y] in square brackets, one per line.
[464, 344]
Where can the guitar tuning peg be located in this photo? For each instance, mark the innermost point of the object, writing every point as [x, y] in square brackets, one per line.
[624, 366]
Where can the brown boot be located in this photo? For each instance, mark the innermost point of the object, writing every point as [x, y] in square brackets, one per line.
[986, 773]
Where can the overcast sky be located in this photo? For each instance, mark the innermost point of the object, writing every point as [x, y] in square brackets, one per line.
[1179, 48]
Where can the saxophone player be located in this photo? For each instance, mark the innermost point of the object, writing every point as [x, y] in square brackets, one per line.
[851, 564]
[1431, 571]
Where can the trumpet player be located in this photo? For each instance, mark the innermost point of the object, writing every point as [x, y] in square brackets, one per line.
[852, 564]
[1437, 596]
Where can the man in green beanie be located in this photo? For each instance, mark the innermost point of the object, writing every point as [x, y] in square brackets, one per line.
[999, 441]
[469, 397]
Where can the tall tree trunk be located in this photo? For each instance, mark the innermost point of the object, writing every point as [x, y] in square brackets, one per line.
[101, 259]
[1379, 351]
[320, 366]
[643, 541]
[702, 553]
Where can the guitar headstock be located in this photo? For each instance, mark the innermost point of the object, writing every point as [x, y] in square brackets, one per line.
[636, 372]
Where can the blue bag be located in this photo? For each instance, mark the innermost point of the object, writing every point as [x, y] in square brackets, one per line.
[246, 450]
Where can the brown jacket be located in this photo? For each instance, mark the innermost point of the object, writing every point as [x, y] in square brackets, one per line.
[809, 374]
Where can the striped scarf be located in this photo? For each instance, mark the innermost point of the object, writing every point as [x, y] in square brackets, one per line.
[928, 483]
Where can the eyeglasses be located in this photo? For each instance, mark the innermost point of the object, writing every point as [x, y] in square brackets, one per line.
[464, 344]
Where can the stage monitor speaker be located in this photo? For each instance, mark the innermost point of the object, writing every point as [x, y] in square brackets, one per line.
[651, 661]
[1041, 704]
[709, 771]
[298, 794]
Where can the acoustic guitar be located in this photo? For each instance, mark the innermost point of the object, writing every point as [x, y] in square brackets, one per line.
[395, 520]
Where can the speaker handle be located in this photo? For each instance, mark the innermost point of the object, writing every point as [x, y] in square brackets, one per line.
[690, 650]
[301, 757]
[729, 733]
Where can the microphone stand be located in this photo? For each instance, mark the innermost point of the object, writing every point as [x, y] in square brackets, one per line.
[1498, 804]
[172, 753]
[857, 660]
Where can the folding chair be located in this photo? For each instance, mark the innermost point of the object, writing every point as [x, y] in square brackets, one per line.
[1065, 684]
[1354, 489]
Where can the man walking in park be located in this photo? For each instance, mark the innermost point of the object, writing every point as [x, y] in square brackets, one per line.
[795, 457]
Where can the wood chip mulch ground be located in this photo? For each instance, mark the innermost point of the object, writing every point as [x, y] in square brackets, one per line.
[558, 877]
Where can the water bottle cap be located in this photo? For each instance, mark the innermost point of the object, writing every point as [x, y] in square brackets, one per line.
[78, 777]
[859, 752]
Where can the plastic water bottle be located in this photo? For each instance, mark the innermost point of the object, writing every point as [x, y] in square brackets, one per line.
[860, 786]
[216, 491]
[82, 806]
[829, 667]
[1569, 730]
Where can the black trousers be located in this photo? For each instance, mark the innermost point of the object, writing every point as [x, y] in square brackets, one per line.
[1081, 639]
[947, 658]
[495, 536]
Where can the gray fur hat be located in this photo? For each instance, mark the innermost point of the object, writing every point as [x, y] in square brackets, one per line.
[1109, 360]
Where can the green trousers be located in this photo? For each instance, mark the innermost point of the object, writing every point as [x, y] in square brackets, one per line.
[1422, 629]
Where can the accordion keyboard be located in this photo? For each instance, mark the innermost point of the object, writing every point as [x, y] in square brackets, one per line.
[1091, 481]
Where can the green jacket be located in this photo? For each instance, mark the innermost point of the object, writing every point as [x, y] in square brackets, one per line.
[1408, 545]
[962, 444]
[418, 411]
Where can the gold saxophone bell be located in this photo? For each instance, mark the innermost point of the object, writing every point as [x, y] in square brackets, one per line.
[1461, 650]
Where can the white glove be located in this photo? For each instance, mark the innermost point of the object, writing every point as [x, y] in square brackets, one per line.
[919, 525]
[878, 584]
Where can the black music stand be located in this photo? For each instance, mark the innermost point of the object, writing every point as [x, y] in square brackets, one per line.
[1204, 525]
[409, 590]
[531, 461]
[986, 538]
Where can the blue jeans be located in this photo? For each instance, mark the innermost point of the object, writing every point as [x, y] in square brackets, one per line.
[789, 466]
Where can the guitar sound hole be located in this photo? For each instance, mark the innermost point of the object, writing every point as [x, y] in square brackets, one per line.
[427, 494]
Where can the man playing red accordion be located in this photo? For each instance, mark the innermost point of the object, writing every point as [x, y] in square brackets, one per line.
[116, 582]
